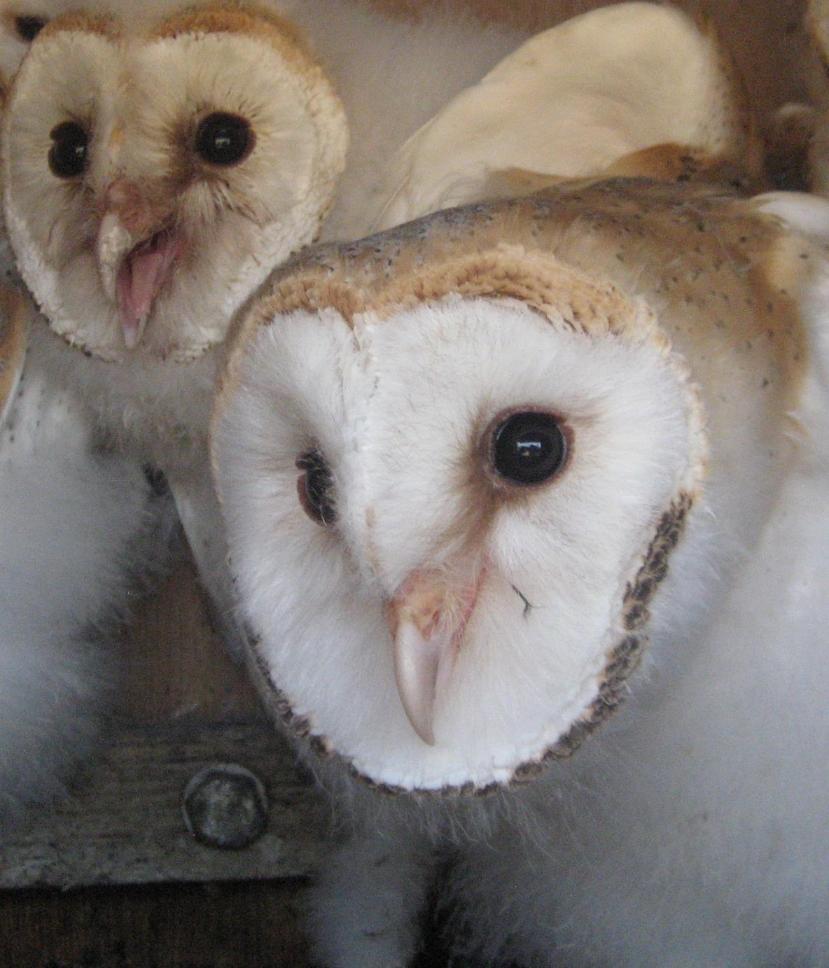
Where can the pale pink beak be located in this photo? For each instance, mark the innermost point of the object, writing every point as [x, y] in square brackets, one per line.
[428, 617]
[133, 261]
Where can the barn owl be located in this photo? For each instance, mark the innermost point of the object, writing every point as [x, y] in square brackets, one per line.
[525, 506]
[78, 526]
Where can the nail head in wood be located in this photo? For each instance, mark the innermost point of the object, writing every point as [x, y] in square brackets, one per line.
[225, 806]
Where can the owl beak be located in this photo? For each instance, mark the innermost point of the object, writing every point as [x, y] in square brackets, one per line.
[428, 617]
[114, 242]
[133, 265]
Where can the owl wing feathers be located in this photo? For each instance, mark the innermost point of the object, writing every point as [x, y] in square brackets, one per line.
[574, 101]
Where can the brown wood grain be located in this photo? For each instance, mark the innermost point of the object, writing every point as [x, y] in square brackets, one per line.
[170, 926]
[175, 663]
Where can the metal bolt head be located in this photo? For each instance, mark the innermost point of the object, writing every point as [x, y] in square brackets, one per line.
[225, 806]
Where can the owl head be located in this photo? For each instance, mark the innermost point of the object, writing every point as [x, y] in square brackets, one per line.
[454, 461]
[154, 173]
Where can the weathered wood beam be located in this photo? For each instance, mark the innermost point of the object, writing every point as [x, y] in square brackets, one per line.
[124, 823]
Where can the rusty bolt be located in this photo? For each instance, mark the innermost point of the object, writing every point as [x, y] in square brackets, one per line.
[225, 806]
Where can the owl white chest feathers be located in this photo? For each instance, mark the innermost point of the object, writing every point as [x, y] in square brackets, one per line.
[433, 620]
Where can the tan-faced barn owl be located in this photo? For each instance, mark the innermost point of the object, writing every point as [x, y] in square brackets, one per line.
[142, 219]
[78, 528]
[491, 473]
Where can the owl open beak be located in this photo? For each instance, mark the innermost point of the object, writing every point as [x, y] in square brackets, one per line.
[133, 271]
[428, 617]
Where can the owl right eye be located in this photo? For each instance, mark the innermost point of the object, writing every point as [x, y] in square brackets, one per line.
[529, 447]
[224, 139]
[69, 151]
[315, 488]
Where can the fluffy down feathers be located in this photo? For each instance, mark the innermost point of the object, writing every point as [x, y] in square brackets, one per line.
[79, 529]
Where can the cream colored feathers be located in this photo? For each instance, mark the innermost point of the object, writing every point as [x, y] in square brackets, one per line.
[154, 171]
[573, 101]
[158, 169]
[78, 528]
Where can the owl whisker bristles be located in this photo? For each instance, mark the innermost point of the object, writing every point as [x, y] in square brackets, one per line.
[528, 607]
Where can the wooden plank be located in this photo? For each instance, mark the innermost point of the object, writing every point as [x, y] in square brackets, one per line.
[176, 665]
[124, 824]
[255, 925]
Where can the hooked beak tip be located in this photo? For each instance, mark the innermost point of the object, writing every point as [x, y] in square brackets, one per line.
[428, 618]
[113, 244]
[416, 664]
[134, 332]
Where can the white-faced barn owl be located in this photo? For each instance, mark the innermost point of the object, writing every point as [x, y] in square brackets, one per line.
[77, 527]
[491, 473]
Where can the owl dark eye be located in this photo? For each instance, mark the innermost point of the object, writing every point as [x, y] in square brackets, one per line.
[529, 448]
[315, 488]
[68, 154]
[224, 139]
[28, 27]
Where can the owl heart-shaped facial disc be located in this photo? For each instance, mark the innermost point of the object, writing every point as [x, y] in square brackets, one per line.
[451, 493]
[154, 169]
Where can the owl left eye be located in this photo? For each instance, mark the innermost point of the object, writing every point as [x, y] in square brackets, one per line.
[315, 488]
[69, 151]
[224, 139]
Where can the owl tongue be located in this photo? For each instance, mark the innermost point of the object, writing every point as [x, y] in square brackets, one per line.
[140, 278]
